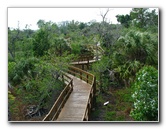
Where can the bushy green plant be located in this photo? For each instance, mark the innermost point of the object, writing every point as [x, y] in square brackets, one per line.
[40, 44]
[18, 71]
[76, 48]
[145, 95]
[126, 72]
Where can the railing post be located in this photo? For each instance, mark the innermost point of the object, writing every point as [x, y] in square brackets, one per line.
[87, 78]
[72, 85]
[82, 66]
[88, 64]
[80, 75]
[94, 91]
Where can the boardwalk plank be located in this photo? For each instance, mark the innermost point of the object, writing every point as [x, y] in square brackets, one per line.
[75, 106]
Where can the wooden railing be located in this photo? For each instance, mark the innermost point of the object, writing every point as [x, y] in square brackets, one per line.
[91, 101]
[83, 75]
[61, 100]
[58, 105]
[85, 58]
[90, 79]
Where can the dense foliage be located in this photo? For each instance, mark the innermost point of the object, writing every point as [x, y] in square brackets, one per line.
[145, 95]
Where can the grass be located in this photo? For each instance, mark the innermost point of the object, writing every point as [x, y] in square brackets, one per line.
[118, 109]
[110, 116]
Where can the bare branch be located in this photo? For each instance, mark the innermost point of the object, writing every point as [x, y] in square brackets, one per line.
[104, 15]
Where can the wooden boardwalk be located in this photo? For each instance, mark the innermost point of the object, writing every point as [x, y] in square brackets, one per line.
[77, 99]
[75, 107]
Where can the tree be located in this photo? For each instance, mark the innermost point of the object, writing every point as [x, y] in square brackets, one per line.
[82, 25]
[103, 15]
[124, 20]
[40, 44]
[41, 23]
[139, 16]
[63, 26]
[140, 46]
[13, 36]
[59, 46]
[131, 52]
[144, 18]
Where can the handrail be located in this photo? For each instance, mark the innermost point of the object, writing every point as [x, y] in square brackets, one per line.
[81, 58]
[59, 103]
[83, 75]
[85, 58]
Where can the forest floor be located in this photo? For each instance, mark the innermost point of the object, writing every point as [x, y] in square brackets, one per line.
[118, 108]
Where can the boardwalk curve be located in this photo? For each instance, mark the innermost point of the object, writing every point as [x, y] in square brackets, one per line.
[80, 98]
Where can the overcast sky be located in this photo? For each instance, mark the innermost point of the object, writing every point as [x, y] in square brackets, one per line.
[30, 16]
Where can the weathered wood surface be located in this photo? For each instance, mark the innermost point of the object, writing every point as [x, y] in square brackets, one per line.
[75, 107]
[83, 62]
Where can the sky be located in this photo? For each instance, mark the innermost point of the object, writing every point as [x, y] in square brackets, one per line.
[31, 16]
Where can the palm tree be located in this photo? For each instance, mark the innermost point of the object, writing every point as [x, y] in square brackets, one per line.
[132, 51]
[140, 46]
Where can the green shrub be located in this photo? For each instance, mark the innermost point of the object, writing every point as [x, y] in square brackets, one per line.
[145, 95]
[18, 71]
[40, 44]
